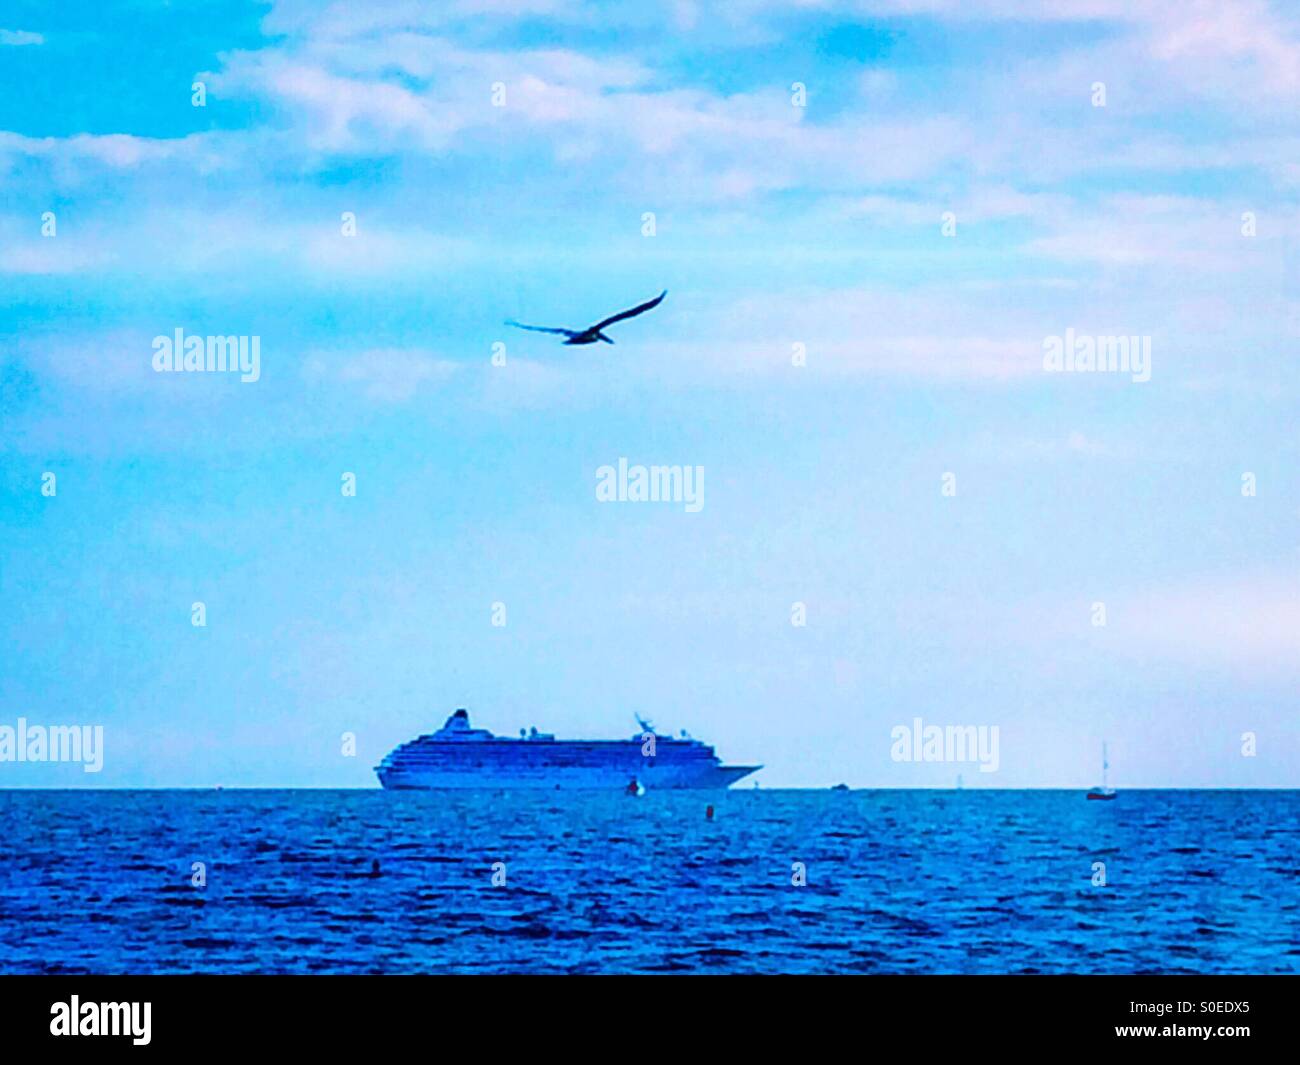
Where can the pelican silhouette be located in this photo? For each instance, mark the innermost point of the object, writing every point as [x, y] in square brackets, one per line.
[593, 332]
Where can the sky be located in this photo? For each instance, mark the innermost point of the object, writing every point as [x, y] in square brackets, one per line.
[871, 218]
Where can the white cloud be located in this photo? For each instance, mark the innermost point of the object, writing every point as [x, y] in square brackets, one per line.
[1246, 621]
[1009, 446]
[19, 38]
[385, 375]
[117, 151]
[403, 92]
[43, 256]
[225, 241]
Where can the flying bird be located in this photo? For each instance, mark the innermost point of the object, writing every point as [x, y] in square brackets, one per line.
[593, 332]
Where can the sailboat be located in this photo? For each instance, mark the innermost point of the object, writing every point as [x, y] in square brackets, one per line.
[1105, 791]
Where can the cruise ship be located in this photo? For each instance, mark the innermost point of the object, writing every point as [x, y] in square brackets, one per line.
[460, 756]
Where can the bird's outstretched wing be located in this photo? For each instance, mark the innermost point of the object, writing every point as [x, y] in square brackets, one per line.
[542, 328]
[639, 309]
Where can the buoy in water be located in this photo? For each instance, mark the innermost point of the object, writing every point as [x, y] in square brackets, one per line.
[708, 812]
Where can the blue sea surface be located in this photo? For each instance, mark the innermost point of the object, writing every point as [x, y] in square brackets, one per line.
[897, 882]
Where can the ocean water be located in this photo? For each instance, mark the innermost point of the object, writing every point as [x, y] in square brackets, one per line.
[897, 882]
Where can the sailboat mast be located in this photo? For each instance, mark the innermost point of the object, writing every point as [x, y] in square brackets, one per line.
[1105, 768]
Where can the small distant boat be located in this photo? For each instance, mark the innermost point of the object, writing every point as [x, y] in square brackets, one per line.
[1105, 792]
[839, 787]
